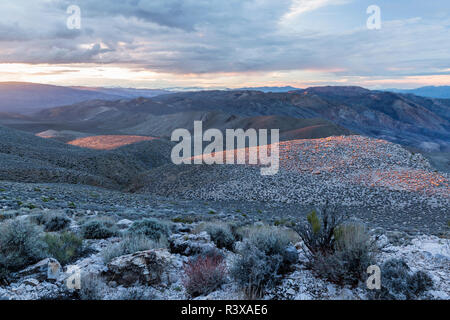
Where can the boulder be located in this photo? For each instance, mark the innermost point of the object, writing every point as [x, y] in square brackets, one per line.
[291, 255]
[124, 223]
[31, 282]
[47, 269]
[191, 244]
[151, 267]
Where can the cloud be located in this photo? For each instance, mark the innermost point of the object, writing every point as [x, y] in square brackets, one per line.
[202, 37]
[299, 7]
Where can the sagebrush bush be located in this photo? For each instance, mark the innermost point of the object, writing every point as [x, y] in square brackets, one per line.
[263, 258]
[338, 251]
[135, 294]
[318, 234]
[221, 234]
[131, 244]
[152, 228]
[92, 287]
[21, 244]
[65, 247]
[54, 222]
[98, 229]
[399, 283]
[204, 274]
[353, 253]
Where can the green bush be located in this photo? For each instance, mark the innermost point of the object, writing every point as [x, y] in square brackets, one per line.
[353, 253]
[98, 229]
[152, 228]
[21, 244]
[263, 258]
[65, 247]
[318, 234]
[131, 244]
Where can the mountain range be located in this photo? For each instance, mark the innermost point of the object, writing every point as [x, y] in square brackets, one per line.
[26, 98]
[420, 123]
[442, 92]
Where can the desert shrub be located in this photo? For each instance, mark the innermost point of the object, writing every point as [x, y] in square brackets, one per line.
[399, 283]
[152, 228]
[220, 234]
[54, 222]
[263, 258]
[318, 234]
[135, 294]
[98, 229]
[204, 274]
[132, 244]
[21, 244]
[337, 251]
[353, 253]
[64, 247]
[92, 287]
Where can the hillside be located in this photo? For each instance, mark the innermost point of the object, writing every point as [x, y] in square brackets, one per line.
[350, 171]
[409, 120]
[27, 98]
[25, 157]
[440, 92]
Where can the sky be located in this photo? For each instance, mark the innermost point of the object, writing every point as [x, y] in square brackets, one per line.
[225, 43]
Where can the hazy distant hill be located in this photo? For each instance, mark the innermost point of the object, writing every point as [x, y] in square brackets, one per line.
[26, 98]
[406, 119]
[271, 89]
[442, 92]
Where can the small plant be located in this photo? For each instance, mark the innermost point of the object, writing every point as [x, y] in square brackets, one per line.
[353, 253]
[71, 205]
[204, 274]
[184, 219]
[136, 294]
[318, 234]
[30, 206]
[221, 234]
[399, 283]
[152, 228]
[262, 260]
[55, 222]
[20, 245]
[283, 222]
[64, 247]
[92, 287]
[131, 244]
[98, 229]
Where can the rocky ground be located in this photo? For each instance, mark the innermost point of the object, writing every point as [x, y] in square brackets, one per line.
[45, 281]
[48, 279]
